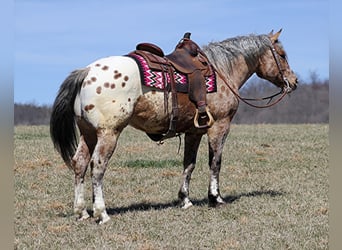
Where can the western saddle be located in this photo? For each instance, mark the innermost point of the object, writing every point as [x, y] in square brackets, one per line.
[188, 59]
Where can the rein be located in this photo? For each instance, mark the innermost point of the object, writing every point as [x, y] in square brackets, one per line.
[285, 90]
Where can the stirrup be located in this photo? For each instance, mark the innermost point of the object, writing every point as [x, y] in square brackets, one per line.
[208, 124]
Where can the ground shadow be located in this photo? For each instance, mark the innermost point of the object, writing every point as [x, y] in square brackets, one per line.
[143, 206]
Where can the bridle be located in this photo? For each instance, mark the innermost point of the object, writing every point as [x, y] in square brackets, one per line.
[287, 87]
[285, 90]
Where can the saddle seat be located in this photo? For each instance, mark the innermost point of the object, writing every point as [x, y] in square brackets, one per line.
[186, 63]
[152, 48]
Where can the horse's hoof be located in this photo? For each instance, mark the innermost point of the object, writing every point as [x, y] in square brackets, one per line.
[216, 202]
[104, 220]
[83, 215]
[187, 204]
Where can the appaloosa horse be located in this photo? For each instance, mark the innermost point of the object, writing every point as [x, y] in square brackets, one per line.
[107, 95]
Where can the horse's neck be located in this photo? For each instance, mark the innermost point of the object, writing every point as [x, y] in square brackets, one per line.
[240, 72]
[242, 55]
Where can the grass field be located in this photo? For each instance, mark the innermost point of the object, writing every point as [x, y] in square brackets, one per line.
[274, 179]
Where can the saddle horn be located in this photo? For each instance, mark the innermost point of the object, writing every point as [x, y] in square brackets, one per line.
[187, 35]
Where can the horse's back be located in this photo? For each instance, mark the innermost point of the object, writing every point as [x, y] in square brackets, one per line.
[109, 91]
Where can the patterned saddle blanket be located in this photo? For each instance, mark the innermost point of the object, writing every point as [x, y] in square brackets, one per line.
[155, 78]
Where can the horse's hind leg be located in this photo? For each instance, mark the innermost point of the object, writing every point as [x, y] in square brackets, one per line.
[106, 143]
[80, 163]
[192, 142]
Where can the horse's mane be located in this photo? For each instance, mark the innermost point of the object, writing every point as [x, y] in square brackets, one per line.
[223, 54]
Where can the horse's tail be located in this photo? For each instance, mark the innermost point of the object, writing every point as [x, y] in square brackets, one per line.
[62, 122]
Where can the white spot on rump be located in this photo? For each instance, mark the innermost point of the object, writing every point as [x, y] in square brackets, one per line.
[105, 89]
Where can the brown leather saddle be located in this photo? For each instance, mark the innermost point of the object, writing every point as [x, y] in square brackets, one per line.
[188, 59]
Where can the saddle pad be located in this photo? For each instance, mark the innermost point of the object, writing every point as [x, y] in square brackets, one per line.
[153, 78]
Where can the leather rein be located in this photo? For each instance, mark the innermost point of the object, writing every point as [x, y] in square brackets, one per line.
[285, 90]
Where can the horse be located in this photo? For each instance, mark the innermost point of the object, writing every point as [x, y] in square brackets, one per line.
[94, 104]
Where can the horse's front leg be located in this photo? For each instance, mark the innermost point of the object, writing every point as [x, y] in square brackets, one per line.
[216, 138]
[106, 143]
[192, 142]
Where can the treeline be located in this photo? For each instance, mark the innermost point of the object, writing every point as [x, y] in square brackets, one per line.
[31, 114]
[309, 103]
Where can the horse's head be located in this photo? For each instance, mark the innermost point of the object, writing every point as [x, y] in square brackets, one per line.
[273, 65]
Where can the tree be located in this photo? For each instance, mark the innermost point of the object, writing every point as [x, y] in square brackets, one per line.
[31, 114]
[309, 103]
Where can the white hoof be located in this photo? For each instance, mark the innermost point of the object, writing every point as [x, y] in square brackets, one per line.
[104, 218]
[83, 215]
[187, 204]
[220, 200]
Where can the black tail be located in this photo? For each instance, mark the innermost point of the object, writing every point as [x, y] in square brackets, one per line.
[62, 122]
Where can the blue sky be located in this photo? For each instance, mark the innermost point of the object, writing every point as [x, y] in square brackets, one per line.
[54, 37]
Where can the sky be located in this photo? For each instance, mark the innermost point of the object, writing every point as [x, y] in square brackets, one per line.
[54, 37]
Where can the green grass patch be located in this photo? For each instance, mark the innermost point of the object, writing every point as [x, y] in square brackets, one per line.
[140, 163]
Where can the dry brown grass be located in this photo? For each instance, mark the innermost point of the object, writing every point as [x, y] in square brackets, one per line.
[274, 178]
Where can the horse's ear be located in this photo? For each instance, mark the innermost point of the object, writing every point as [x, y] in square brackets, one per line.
[274, 37]
[270, 34]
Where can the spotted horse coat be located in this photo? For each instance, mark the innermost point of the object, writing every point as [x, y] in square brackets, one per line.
[106, 96]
